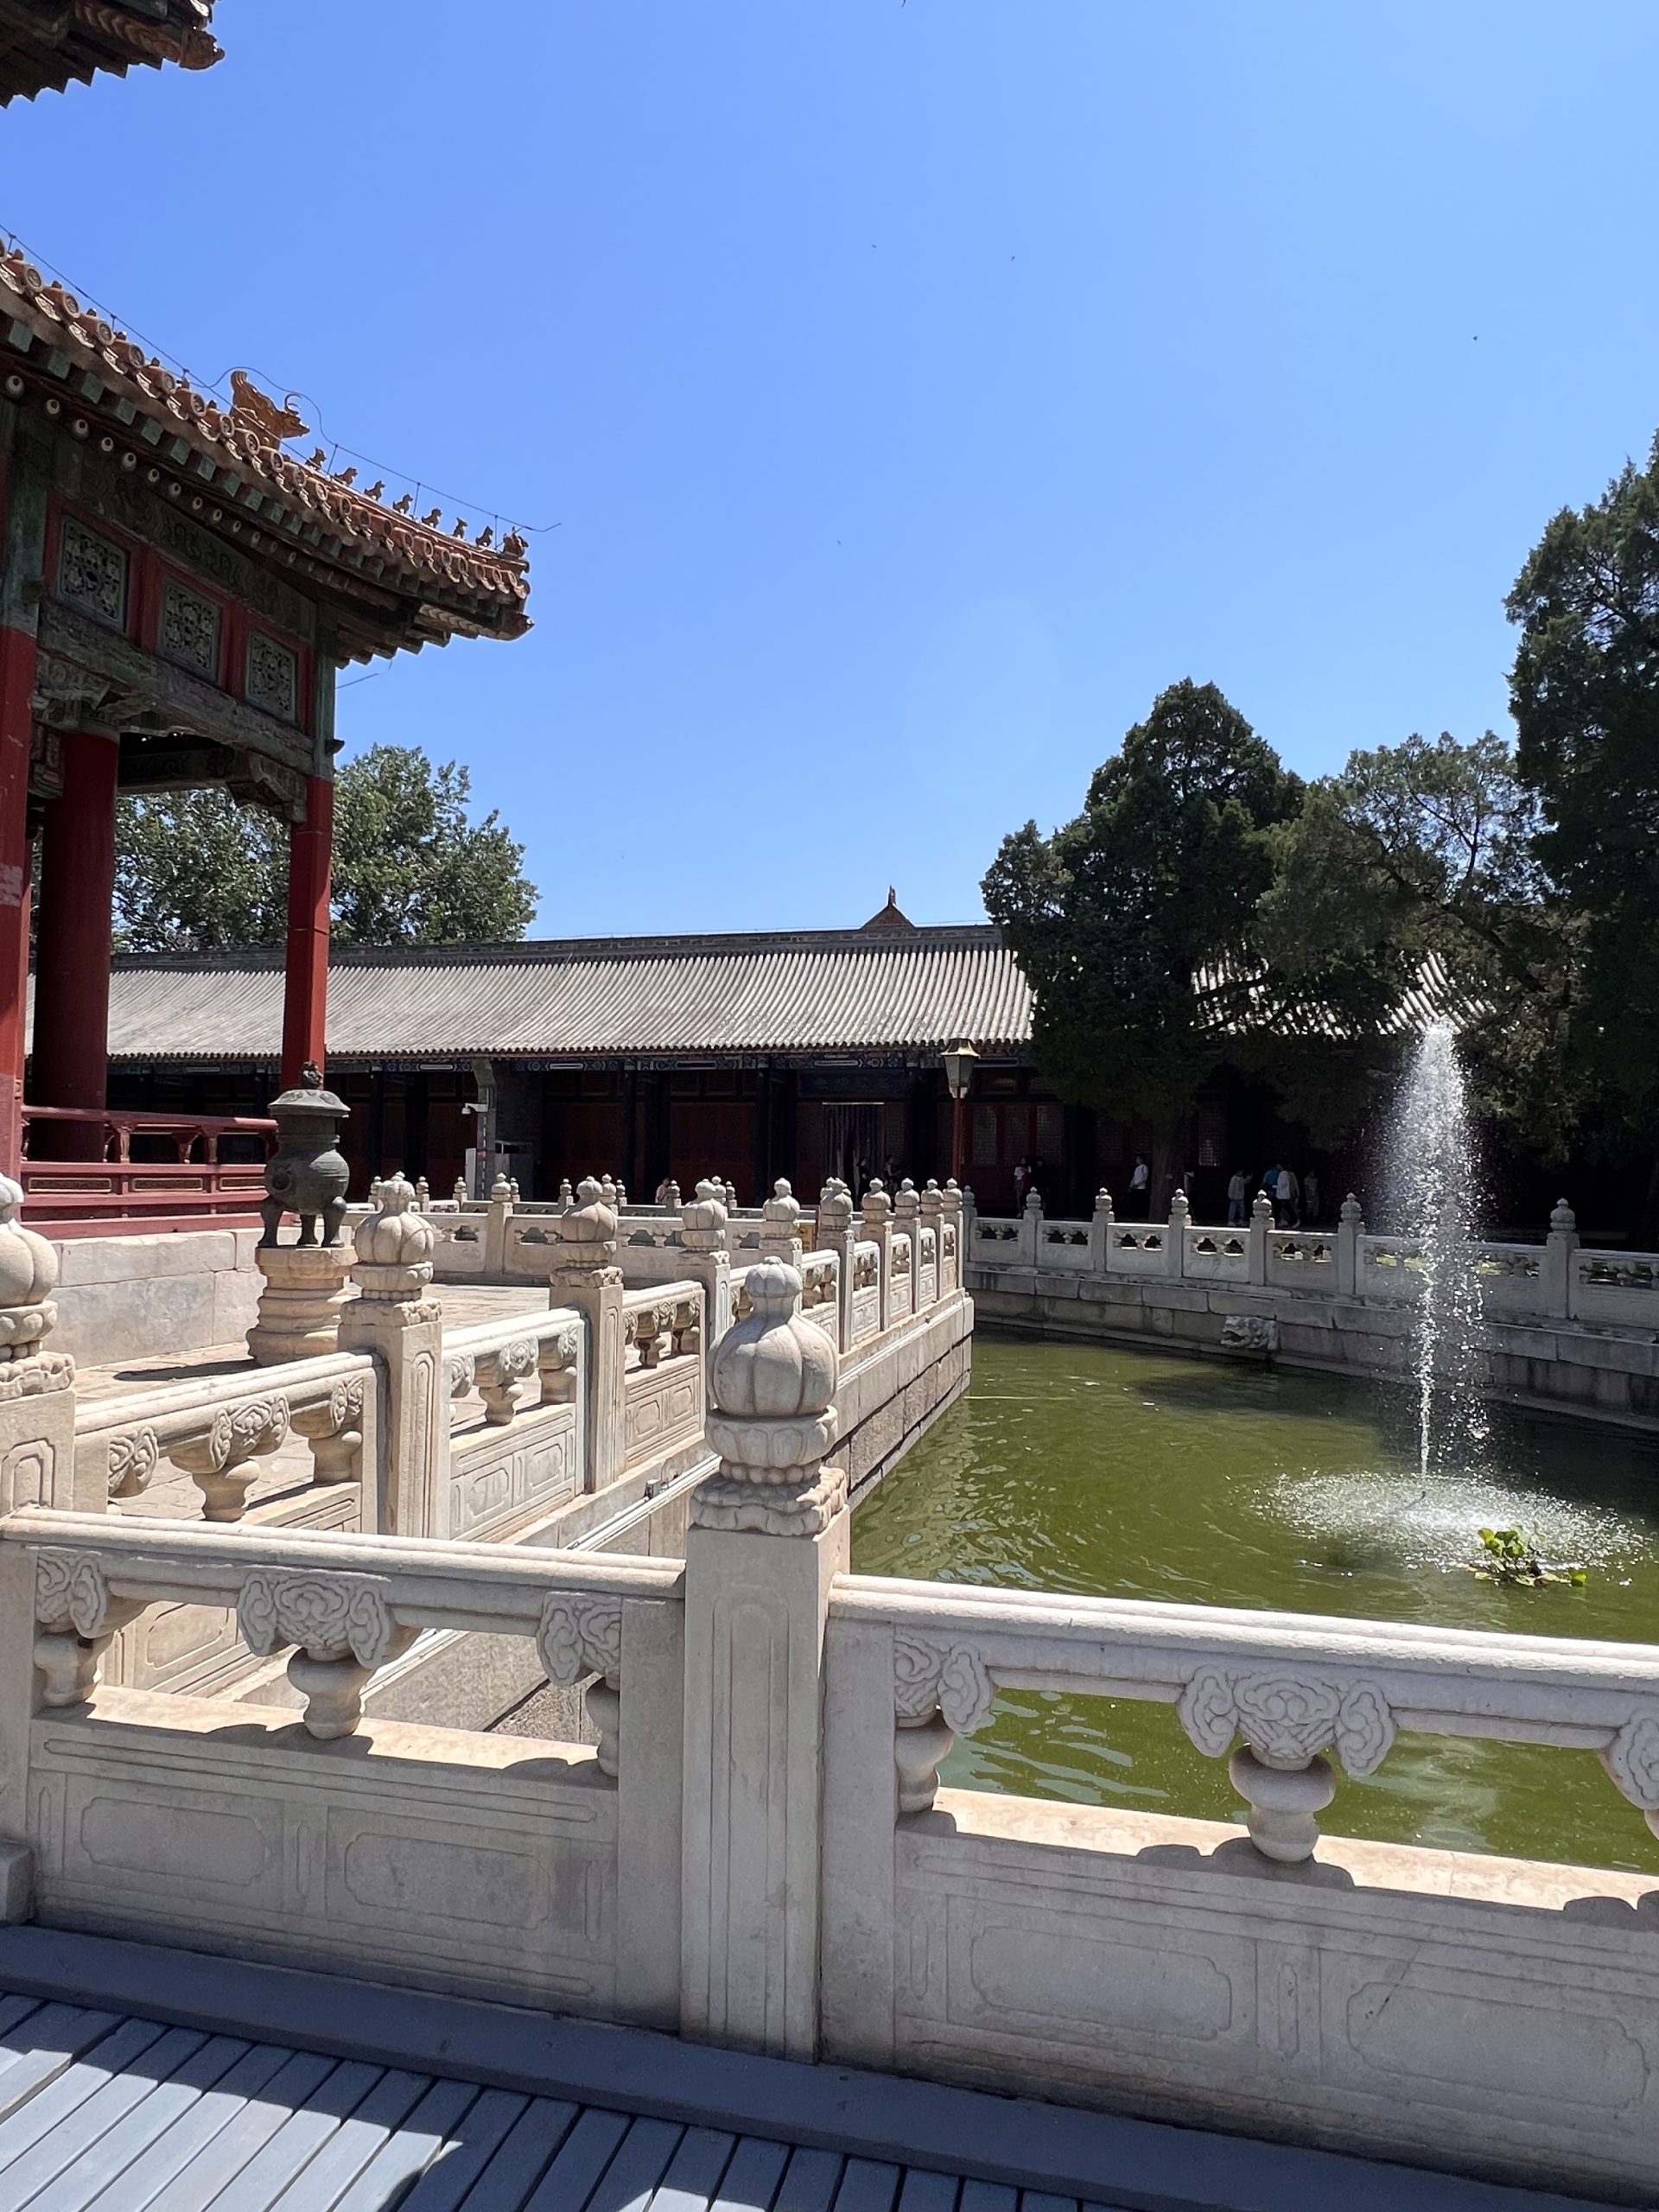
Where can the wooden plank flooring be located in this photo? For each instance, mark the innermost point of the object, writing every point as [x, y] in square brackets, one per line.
[102, 2113]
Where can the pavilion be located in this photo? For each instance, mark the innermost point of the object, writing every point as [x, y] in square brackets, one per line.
[177, 592]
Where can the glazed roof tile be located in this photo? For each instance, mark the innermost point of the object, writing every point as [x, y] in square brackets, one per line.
[818, 991]
[279, 505]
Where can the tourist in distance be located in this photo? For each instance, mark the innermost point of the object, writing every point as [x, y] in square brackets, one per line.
[1286, 1199]
[1140, 1188]
[1021, 1183]
[1311, 1198]
[1237, 1206]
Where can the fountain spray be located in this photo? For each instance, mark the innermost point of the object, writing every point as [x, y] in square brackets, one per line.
[1434, 1188]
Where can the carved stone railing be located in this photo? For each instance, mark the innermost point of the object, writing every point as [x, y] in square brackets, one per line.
[663, 1404]
[516, 1390]
[344, 1606]
[220, 1431]
[866, 1292]
[1559, 1281]
[1277, 1691]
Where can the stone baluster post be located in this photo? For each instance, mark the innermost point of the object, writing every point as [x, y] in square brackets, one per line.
[1558, 1271]
[954, 1221]
[780, 1226]
[422, 1193]
[671, 1196]
[768, 1535]
[394, 1317]
[1180, 1220]
[836, 1233]
[875, 1227]
[459, 1194]
[1030, 1247]
[1261, 1228]
[709, 1261]
[730, 1190]
[567, 1195]
[932, 1217]
[495, 1229]
[1100, 1233]
[1351, 1227]
[585, 1276]
[37, 1387]
[906, 1221]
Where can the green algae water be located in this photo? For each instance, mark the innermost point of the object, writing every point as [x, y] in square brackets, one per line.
[1117, 1473]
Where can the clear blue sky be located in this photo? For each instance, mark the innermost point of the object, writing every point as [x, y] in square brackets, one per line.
[917, 388]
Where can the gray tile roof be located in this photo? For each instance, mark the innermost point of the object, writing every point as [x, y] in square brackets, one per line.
[816, 991]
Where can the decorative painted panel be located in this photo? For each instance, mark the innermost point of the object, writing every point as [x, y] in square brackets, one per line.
[189, 629]
[273, 678]
[91, 573]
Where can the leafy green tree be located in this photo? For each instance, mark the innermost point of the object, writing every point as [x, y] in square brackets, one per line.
[1412, 876]
[1584, 695]
[195, 871]
[1121, 918]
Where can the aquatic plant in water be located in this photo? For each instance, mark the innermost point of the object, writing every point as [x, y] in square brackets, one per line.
[1434, 1197]
[1511, 1556]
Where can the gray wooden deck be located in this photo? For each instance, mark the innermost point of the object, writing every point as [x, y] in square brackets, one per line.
[140, 2079]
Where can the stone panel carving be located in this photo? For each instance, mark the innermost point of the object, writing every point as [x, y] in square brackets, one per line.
[189, 629]
[272, 680]
[91, 573]
[69, 1586]
[1287, 1718]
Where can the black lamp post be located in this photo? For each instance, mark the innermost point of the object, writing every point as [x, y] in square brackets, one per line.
[958, 1063]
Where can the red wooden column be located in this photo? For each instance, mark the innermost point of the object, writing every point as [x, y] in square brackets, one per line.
[72, 956]
[17, 731]
[305, 1000]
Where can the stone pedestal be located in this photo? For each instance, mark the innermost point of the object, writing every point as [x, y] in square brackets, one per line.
[394, 1317]
[584, 1276]
[307, 1288]
[768, 1535]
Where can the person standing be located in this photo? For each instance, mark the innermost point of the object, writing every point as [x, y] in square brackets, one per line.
[1311, 1198]
[1237, 1211]
[1288, 1200]
[1022, 1184]
[1140, 1189]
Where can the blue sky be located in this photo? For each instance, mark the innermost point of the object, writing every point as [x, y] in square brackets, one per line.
[916, 389]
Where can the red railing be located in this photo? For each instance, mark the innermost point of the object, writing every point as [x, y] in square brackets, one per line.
[180, 1179]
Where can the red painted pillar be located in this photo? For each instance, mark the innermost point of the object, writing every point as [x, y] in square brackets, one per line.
[305, 998]
[72, 955]
[16, 733]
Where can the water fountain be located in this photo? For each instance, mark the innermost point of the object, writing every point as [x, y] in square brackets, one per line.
[1433, 1181]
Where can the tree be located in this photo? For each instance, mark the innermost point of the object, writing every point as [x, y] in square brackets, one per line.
[1120, 917]
[195, 871]
[1415, 871]
[1585, 694]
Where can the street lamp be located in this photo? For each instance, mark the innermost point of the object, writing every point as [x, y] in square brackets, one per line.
[959, 1063]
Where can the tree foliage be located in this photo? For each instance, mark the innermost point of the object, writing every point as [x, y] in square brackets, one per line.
[1118, 916]
[1585, 694]
[194, 871]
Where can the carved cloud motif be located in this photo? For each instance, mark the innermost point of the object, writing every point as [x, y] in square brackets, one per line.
[1632, 1760]
[579, 1634]
[1287, 1718]
[951, 1677]
[70, 1586]
[326, 1615]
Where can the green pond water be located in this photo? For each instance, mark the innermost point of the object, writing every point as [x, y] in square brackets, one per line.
[1125, 1474]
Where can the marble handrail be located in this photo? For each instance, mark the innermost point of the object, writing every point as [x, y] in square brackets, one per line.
[1291, 1686]
[214, 1429]
[347, 1604]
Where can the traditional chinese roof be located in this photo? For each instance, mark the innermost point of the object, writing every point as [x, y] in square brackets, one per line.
[596, 998]
[47, 44]
[395, 581]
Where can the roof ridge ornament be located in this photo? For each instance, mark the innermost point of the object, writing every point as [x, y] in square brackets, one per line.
[256, 413]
